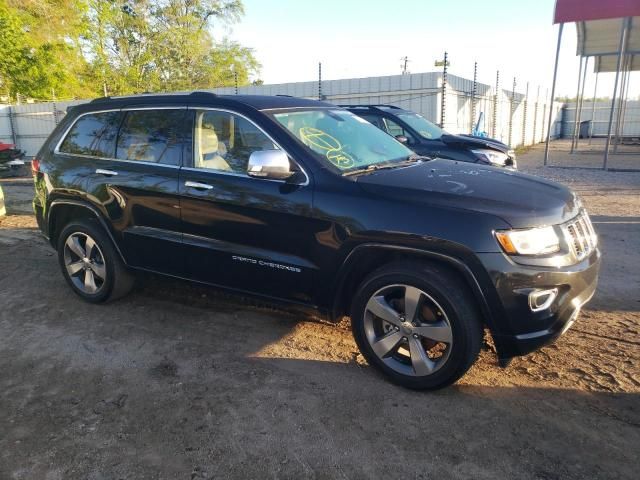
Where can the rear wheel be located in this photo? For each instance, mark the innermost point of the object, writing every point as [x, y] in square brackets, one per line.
[90, 263]
[417, 324]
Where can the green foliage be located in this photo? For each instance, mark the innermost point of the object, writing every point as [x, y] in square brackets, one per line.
[80, 48]
[38, 57]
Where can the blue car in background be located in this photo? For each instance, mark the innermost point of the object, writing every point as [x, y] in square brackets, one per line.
[428, 139]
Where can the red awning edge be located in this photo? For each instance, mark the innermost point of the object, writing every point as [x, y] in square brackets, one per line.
[584, 10]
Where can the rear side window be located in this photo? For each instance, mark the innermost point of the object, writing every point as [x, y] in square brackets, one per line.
[152, 136]
[93, 134]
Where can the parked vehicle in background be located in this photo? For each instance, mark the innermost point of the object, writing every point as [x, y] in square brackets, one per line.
[303, 202]
[11, 163]
[426, 138]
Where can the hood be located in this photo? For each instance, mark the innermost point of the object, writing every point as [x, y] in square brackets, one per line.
[489, 141]
[474, 142]
[519, 199]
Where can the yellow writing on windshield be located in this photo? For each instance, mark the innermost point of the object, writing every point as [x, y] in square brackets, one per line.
[328, 145]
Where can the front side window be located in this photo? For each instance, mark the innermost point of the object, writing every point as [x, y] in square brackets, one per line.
[343, 139]
[373, 119]
[224, 141]
[151, 136]
[394, 129]
[425, 128]
[93, 134]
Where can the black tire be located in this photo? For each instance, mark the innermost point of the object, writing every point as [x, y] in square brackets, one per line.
[118, 279]
[447, 296]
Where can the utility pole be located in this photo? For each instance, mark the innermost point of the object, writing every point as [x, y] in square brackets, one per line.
[474, 94]
[235, 77]
[494, 120]
[405, 61]
[319, 80]
[513, 94]
[524, 116]
[535, 115]
[443, 102]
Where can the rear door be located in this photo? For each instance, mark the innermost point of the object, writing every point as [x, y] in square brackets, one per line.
[137, 186]
[243, 232]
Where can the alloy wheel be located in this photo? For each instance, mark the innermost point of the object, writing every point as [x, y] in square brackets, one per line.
[408, 330]
[84, 262]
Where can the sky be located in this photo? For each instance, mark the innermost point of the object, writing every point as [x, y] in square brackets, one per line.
[360, 38]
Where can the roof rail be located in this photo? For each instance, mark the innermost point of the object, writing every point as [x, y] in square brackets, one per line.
[372, 106]
[155, 94]
[203, 93]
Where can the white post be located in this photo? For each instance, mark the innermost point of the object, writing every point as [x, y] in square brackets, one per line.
[623, 36]
[553, 92]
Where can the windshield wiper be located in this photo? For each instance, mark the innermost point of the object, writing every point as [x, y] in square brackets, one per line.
[388, 165]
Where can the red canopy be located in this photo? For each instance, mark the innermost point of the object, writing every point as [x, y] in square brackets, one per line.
[584, 10]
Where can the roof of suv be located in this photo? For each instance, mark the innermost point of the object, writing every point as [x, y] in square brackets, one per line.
[258, 102]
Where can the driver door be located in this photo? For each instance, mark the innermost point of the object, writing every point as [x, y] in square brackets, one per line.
[243, 232]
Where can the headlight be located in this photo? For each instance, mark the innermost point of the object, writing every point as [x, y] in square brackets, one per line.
[494, 157]
[533, 241]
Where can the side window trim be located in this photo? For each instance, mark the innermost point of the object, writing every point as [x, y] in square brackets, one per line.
[191, 161]
[57, 151]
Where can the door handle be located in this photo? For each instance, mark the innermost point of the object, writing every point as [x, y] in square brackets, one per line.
[198, 185]
[107, 173]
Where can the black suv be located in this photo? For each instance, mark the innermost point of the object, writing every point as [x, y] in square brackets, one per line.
[426, 138]
[303, 202]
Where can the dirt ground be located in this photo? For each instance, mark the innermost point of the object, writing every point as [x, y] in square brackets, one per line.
[180, 381]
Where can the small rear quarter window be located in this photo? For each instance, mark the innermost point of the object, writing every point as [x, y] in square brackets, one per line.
[93, 134]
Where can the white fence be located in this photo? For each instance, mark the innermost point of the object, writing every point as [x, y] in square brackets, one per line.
[598, 114]
[517, 120]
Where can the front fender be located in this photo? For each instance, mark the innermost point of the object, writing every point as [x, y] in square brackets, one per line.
[469, 268]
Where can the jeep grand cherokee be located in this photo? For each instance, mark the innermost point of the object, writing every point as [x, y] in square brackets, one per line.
[303, 202]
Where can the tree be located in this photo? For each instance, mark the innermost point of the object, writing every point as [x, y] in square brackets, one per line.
[165, 45]
[39, 57]
[83, 48]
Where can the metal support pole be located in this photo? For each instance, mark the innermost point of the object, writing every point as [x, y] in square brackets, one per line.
[553, 92]
[575, 113]
[474, 93]
[621, 104]
[235, 76]
[543, 135]
[494, 120]
[593, 108]
[626, 99]
[623, 36]
[511, 110]
[581, 103]
[443, 102]
[12, 126]
[524, 116]
[319, 80]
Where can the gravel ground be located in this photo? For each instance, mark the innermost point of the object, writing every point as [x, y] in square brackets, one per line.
[180, 381]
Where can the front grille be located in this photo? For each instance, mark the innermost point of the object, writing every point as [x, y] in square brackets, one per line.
[580, 235]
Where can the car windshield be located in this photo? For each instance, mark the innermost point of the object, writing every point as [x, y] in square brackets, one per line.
[343, 139]
[424, 127]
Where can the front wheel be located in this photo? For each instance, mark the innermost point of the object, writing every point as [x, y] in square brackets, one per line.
[417, 323]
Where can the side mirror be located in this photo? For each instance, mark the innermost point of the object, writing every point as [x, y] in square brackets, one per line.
[402, 139]
[272, 164]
